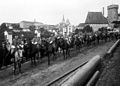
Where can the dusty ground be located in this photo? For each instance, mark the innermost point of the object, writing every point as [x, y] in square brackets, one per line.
[42, 74]
[111, 72]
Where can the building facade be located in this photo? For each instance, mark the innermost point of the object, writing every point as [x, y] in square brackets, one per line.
[96, 20]
[65, 27]
[97, 26]
[114, 17]
[27, 24]
[112, 13]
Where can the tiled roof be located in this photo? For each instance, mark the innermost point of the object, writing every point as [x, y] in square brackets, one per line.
[81, 25]
[96, 18]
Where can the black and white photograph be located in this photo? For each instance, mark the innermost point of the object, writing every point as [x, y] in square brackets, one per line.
[60, 43]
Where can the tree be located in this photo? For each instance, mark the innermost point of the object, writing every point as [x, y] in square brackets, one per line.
[2, 29]
[102, 29]
[3, 26]
[76, 31]
[46, 34]
[16, 26]
[42, 30]
[116, 25]
[32, 28]
[88, 29]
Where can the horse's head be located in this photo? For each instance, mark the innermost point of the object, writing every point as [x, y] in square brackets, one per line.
[60, 41]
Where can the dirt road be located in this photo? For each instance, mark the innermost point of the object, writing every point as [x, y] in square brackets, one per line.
[41, 75]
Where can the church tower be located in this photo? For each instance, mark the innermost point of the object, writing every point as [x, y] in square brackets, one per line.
[63, 20]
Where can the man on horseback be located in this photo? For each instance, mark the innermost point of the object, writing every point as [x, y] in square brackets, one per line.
[16, 58]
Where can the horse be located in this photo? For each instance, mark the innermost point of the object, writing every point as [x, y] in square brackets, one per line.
[33, 52]
[93, 40]
[87, 40]
[64, 45]
[48, 49]
[97, 37]
[30, 51]
[77, 43]
[16, 58]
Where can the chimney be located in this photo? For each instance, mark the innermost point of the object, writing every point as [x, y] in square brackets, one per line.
[103, 11]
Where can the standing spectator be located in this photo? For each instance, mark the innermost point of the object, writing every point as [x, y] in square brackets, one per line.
[3, 56]
[8, 54]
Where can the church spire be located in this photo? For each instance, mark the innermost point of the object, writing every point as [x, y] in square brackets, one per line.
[63, 19]
[34, 20]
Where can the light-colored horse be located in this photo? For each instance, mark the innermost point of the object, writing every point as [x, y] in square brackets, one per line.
[17, 55]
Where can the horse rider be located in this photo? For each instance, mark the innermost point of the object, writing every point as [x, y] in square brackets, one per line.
[17, 58]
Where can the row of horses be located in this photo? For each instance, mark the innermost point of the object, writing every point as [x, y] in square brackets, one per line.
[35, 52]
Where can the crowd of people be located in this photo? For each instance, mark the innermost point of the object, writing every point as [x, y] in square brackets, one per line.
[23, 49]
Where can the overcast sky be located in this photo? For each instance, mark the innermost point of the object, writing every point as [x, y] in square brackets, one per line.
[50, 11]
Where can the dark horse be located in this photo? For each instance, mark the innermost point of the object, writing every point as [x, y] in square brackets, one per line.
[64, 45]
[77, 43]
[48, 49]
[32, 50]
[38, 51]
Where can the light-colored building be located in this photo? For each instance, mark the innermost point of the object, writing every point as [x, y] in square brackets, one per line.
[27, 24]
[96, 20]
[65, 27]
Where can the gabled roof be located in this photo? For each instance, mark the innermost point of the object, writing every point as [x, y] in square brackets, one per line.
[81, 25]
[96, 18]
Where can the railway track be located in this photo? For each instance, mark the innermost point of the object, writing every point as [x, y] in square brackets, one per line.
[65, 76]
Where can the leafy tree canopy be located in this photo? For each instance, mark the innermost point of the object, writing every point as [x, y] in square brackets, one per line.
[88, 29]
[32, 28]
[102, 29]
